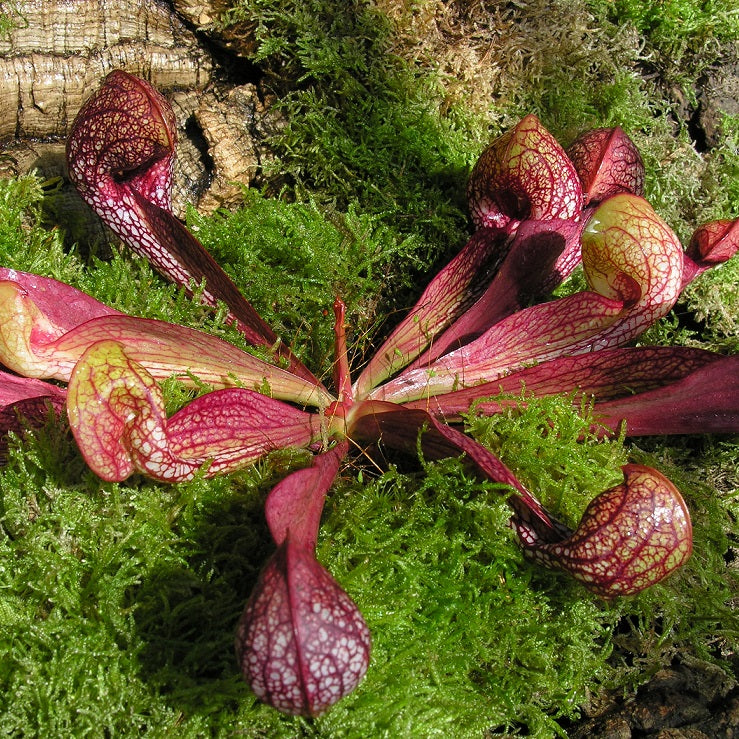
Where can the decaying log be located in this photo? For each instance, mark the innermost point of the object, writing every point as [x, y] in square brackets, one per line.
[239, 37]
[235, 122]
[202, 14]
[58, 52]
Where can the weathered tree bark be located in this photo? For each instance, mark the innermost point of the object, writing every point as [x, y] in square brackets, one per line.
[57, 53]
[200, 13]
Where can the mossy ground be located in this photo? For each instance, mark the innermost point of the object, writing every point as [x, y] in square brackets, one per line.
[118, 602]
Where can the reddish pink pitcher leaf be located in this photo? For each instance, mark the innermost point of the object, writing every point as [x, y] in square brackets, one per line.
[167, 349]
[453, 291]
[630, 537]
[120, 152]
[524, 174]
[35, 311]
[629, 253]
[608, 163]
[615, 373]
[39, 339]
[294, 506]
[302, 643]
[236, 426]
[634, 264]
[116, 413]
[715, 242]
[123, 137]
[539, 257]
[538, 333]
[711, 244]
[704, 401]
[117, 416]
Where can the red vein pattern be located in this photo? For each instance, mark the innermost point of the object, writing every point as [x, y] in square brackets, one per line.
[117, 415]
[629, 538]
[523, 174]
[120, 153]
[302, 643]
[634, 264]
[608, 163]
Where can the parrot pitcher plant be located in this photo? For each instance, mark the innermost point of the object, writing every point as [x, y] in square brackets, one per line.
[483, 327]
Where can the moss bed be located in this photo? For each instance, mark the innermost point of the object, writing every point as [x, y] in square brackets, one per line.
[118, 602]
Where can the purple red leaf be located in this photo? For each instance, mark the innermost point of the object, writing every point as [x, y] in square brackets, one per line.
[608, 163]
[702, 401]
[634, 265]
[294, 505]
[618, 373]
[711, 244]
[524, 174]
[302, 643]
[120, 152]
[537, 258]
[630, 537]
[117, 415]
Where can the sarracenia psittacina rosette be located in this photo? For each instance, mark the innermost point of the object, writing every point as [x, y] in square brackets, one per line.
[481, 328]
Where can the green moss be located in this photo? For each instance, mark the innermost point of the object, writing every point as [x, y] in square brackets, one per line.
[121, 600]
[24, 243]
[118, 603]
[713, 300]
[681, 34]
[531, 438]
[468, 637]
[362, 124]
[294, 259]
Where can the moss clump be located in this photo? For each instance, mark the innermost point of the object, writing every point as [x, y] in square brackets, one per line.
[681, 35]
[363, 125]
[293, 259]
[122, 599]
[24, 243]
[468, 637]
